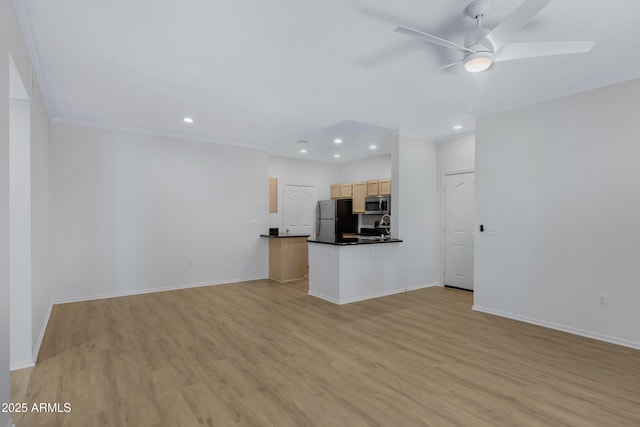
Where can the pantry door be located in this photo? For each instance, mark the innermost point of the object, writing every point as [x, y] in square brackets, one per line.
[299, 209]
[459, 229]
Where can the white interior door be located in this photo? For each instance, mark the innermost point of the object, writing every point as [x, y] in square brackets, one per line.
[299, 209]
[458, 229]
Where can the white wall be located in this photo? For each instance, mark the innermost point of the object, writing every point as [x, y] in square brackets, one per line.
[134, 213]
[453, 155]
[20, 232]
[41, 291]
[366, 169]
[415, 211]
[559, 180]
[300, 172]
[4, 211]
[12, 44]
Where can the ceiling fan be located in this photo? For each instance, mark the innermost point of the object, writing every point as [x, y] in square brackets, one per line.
[482, 47]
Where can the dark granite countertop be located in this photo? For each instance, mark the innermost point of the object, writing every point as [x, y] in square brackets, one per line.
[360, 240]
[282, 236]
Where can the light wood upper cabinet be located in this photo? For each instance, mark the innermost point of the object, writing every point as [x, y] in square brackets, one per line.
[359, 193]
[379, 187]
[373, 188]
[385, 187]
[346, 191]
[335, 191]
[359, 190]
[341, 191]
[273, 195]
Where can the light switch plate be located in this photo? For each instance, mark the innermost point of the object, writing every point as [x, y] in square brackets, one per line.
[492, 230]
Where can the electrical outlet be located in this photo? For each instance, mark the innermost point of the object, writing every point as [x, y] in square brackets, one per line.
[602, 301]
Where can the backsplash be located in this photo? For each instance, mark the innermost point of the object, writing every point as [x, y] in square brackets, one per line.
[368, 221]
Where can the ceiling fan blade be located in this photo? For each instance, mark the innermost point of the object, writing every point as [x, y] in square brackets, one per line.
[511, 51]
[448, 65]
[502, 32]
[432, 39]
[413, 77]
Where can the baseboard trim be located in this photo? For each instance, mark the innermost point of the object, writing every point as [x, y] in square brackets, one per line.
[559, 327]
[43, 329]
[23, 364]
[324, 297]
[387, 293]
[371, 296]
[154, 290]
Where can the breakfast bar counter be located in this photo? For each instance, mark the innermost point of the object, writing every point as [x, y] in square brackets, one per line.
[358, 240]
[359, 268]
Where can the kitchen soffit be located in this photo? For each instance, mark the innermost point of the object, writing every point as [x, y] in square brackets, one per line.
[356, 141]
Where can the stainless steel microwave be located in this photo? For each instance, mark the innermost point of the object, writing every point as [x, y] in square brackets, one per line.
[377, 205]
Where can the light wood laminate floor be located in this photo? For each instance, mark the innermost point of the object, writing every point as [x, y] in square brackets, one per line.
[266, 354]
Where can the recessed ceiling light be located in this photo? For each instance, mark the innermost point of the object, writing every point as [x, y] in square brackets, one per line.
[337, 156]
[188, 120]
[457, 127]
[303, 151]
[373, 147]
[337, 141]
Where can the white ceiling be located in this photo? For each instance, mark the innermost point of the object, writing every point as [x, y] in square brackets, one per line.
[272, 72]
[357, 141]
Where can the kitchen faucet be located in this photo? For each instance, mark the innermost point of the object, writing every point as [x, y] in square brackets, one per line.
[385, 222]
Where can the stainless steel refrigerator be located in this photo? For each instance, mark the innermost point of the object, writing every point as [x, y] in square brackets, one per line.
[334, 218]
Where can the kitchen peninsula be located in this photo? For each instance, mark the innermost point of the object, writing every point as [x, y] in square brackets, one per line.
[352, 269]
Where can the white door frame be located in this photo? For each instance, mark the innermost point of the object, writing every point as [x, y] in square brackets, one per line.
[443, 216]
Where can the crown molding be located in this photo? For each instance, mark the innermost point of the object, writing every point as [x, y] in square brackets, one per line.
[36, 65]
[153, 132]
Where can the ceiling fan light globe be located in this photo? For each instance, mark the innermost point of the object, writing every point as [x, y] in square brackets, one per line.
[478, 62]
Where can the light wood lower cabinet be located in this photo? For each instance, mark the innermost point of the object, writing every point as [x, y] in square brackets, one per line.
[288, 258]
